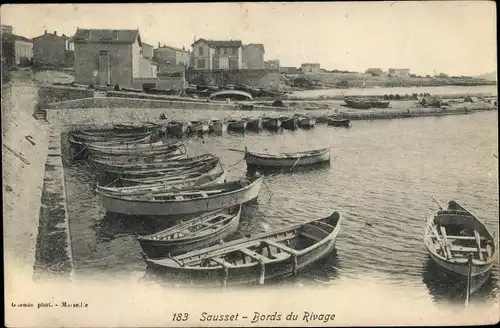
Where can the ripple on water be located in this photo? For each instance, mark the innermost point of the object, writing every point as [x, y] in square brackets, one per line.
[382, 178]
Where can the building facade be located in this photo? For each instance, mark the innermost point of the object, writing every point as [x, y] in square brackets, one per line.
[53, 50]
[217, 55]
[289, 70]
[253, 56]
[109, 57]
[171, 59]
[272, 64]
[399, 72]
[311, 67]
[16, 50]
[147, 50]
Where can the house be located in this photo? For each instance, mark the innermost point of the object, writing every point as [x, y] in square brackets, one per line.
[110, 57]
[53, 50]
[16, 50]
[310, 68]
[253, 56]
[272, 64]
[289, 70]
[147, 50]
[171, 59]
[399, 72]
[217, 55]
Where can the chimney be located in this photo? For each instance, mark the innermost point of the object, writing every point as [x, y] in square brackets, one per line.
[183, 48]
[45, 31]
[55, 32]
[158, 44]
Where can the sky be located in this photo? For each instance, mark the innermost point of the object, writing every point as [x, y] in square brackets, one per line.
[453, 37]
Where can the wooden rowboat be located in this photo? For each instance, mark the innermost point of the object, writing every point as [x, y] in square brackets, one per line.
[287, 160]
[217, 126]
[380, 103]
[341, 122]
[205, 230]
[143, 149]
[357, 103]
[453, 234]
[185, 201]
[197, 127]
[125, 166]
[289, 123]
[271, 123]
[236, 125]
[165, 183]
[177, 128]
[254, 124]
[254, 259]
[305, 122]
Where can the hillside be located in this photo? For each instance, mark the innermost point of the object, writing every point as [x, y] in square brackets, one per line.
[488, 76]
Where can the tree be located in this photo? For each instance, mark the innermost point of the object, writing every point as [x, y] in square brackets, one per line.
[442, 75]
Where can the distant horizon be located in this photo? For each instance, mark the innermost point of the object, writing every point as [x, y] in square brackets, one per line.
[428, 38]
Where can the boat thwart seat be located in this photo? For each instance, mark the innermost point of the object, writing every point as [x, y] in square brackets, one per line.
[254, 255]
[281, 247]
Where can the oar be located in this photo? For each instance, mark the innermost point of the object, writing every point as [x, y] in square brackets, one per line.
[469, 280]
[237, 150]
[438, 203]
[495, 156]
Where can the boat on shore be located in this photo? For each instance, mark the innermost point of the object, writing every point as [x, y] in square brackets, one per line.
[256, 258]
[340, 122]
[380, 103]
[137, 150]
[453, 234]
[271, 123]
[254, 124]
[287, 160]
[357, 103]
[305, 122]
[231, 94]
[185, 201]
[197, 233]
[236, 125]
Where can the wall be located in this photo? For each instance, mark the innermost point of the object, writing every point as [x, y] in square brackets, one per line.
[162, 82]
[147, 69]
[162, 55]
[208, 53]
[22, 182]
[257, 78]
[136, 57]
[86, 62]
[147, 50]
[50, 50]
[23, 50]
[253, 57]
[50, 94]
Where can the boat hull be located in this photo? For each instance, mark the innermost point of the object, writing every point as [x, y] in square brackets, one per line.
[236, 125]
[157, 249]
[254, 125]
[461, 269]
[256, 161]
[171, 208]
[358, 104]
[339, 123]
[271, 123]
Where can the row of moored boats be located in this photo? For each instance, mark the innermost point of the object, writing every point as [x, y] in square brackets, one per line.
[148, 176]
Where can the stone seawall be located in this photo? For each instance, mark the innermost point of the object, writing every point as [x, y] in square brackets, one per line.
[24, 150]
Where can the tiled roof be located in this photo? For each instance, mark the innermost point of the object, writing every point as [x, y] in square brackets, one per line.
[173, 48]
[13, 37]
[220, 44]
[52, 35]
[107, 36]
[258, 45]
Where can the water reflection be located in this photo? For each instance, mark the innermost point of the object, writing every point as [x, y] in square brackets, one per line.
[445, 286]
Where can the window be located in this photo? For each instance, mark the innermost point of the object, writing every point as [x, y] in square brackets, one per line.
[235, 51]
[201, 63]
[200, 51]
[226, 51]
[115, 34]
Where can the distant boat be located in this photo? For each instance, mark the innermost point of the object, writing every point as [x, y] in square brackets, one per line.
[254, 258]
[287, 160]
[305, 122]
[452, 234]
[217, 126]
[271, 123]
[380, 103]
[254, 124]
[231, 94]
[236, 125]
[198, 127]
[341, 122]
[177, 128]
[197, 233]
[357, 103]
[289, 123]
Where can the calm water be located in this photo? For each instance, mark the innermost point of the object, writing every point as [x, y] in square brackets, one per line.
[382, 178]
[444, 90]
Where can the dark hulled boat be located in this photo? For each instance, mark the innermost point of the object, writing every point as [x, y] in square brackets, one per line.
[340, 122]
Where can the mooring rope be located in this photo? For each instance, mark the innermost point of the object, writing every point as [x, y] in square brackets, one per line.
[238, 162]
[81, 151]
[268, 190]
